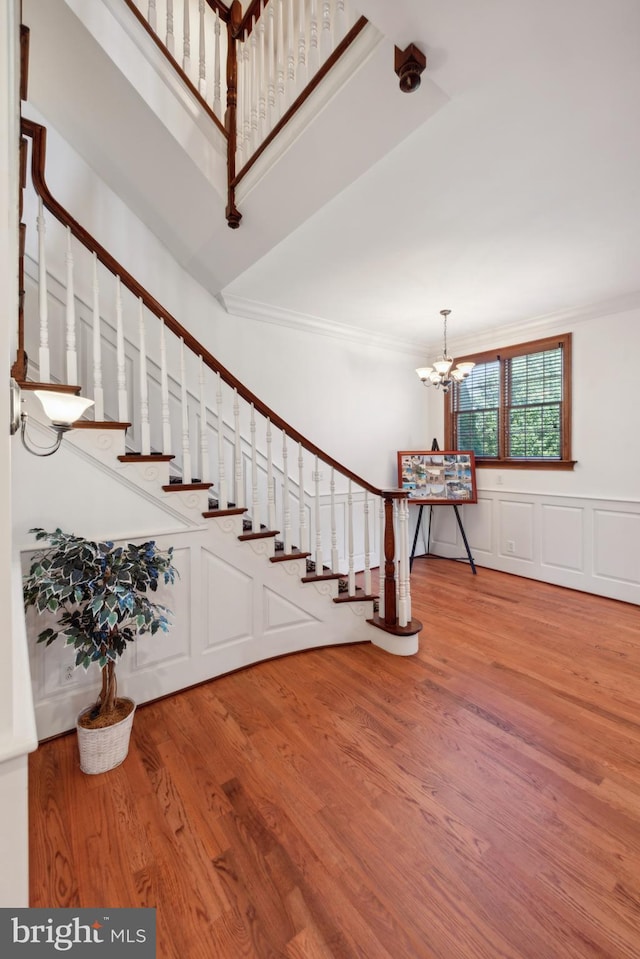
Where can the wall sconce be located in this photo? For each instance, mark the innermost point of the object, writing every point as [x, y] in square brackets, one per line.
[63, 409]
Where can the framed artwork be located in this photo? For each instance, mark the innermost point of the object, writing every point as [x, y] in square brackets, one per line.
[438, 477]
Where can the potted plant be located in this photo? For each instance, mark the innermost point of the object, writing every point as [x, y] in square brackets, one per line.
[100, 594]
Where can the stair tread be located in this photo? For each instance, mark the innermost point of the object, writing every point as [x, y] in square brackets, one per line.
[179, 487]
[145, 458]
[233, 511]
[53, 387]
[358, 596]
[100, 425]
[413, 627]
[312, 577]
[262, 534]
[284, 557]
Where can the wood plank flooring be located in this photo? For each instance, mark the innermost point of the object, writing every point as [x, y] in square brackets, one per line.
[480, 800]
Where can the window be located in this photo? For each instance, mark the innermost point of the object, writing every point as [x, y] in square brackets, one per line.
[514, 408]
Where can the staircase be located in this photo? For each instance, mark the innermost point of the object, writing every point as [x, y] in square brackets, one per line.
[277, 542]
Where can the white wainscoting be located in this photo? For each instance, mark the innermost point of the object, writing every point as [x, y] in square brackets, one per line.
[583, 543]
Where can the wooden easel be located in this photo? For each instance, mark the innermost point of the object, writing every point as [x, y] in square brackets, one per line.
[435, 447]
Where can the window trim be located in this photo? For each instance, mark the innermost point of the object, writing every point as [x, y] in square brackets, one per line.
[506, 353]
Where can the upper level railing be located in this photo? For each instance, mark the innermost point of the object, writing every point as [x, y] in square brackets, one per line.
[253, 70]
[147, 371]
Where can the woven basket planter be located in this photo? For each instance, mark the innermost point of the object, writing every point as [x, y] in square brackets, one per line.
[104, 749]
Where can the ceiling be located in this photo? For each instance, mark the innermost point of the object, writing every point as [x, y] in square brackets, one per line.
[517, 199]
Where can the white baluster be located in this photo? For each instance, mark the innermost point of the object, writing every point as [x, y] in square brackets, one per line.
[280, 87]
[271, 483]
[325, 36]
[186, 41]
[43, 352]
[164, 394]
[286, 499]
[255, 80]
[367, 547]
[271, 66]
[240, 104]
[205, 472]
[145, 429]
[72, 353]
[334, 529]
[217, 101]
[187, 474]
[301, 71]
[302, 509]
[262, 81]
[352, 572]
[246, 100]
[340, 20]
[121, 373]
[382, 561]
[255, 496]
[152, 16]
[98, 393]
[202, 70]
[319, 559]
[291, 60]
[222, 476]
[404, 600]
[170, 40]
[314, 50]
[237, 455]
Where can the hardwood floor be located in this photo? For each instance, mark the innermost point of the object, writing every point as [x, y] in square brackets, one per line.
[480, 800]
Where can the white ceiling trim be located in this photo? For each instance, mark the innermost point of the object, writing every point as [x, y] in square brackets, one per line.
[488, 338]
[537, 327]
[252, 310]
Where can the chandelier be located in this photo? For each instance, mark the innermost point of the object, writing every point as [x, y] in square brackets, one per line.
[440, 374]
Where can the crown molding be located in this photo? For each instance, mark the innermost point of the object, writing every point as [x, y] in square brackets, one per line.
[253, 310]
[537, 327]
[507, 333]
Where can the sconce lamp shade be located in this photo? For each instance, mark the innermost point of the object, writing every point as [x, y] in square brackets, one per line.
[63, 409]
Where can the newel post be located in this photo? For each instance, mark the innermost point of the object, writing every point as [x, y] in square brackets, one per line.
[390, 611]
[398, 631]
[231, 116]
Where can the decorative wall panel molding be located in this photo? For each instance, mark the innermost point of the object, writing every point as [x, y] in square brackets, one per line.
[562, 537]
[584, 543]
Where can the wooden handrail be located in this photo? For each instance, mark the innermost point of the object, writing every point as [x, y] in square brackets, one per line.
[38, 135]
[245, 26]
[220, 8]
[175, 65]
